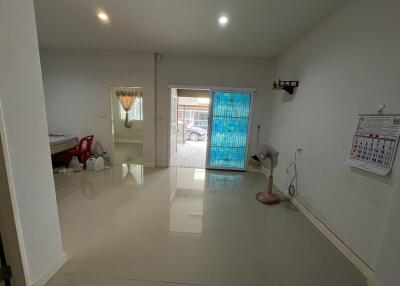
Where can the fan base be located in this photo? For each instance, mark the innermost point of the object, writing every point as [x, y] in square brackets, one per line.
[268, 199]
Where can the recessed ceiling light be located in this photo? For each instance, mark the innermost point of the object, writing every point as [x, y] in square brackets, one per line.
[223, 20]
[103, 16]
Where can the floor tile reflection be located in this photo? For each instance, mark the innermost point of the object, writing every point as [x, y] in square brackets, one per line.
[130, 225]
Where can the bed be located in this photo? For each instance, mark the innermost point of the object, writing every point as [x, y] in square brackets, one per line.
[61, 143]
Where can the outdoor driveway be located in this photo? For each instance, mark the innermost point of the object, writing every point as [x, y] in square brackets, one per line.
[191, 155]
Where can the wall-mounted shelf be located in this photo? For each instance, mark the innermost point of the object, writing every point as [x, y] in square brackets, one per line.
[286, 85]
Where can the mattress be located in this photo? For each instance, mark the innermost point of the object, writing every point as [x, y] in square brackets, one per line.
[60, 143]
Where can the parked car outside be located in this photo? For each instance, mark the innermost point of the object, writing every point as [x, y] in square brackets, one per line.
[201, 124]
[195, 134]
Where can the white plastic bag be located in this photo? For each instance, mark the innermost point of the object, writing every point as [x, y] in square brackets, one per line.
[75, 165]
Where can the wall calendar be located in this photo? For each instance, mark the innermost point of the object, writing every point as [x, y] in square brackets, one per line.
[375, 142]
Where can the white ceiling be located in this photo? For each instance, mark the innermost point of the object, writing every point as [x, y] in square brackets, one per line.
[261, 28]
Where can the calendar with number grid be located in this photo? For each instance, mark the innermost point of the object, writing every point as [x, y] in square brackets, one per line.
[375, 142]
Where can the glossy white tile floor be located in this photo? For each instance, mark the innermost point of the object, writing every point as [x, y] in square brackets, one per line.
[179, 226]
[128, 152]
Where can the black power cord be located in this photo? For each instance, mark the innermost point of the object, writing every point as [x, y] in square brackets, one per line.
[292, 189]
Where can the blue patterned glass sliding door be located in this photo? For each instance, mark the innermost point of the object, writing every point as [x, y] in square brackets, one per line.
[230, 120]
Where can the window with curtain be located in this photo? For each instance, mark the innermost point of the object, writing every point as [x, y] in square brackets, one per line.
[136, 112]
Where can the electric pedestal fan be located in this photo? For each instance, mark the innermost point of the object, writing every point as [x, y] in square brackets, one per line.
[269, 158]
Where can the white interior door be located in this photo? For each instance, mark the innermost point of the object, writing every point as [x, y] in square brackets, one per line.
[174, 124]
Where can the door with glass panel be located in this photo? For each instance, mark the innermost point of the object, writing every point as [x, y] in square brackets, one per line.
[229, 130]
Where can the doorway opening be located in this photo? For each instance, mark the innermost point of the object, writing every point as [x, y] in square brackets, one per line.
[127, 125]
[210, 128]
[189, 127]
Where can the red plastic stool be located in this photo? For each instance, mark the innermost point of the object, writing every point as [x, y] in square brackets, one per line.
[83, 151]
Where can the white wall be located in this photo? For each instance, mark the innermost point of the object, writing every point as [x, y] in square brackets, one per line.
[388, 267]
[77, 87]
[211, 71]
[347, 65]
[24, 114]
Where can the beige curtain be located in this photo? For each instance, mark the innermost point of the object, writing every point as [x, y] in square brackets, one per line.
[127, 100]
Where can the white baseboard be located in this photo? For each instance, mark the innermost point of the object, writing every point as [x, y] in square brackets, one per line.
[339, 244]
[128, 141]
[46, 276]
[149, 165]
